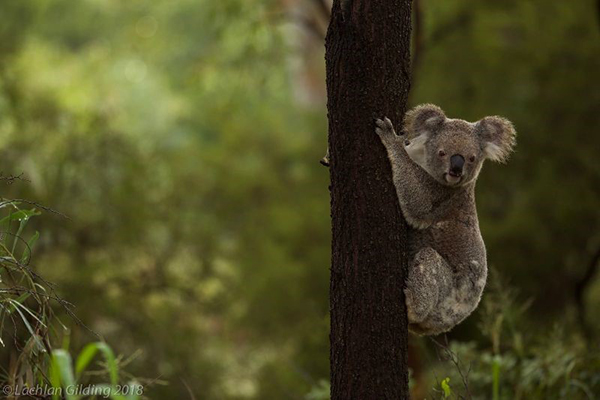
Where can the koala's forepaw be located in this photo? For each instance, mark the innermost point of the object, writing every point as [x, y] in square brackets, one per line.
[385, 130]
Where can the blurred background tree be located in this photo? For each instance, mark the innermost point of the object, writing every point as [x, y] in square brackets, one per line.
[183, 139]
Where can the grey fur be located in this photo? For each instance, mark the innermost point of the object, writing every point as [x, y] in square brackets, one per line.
[448, 267]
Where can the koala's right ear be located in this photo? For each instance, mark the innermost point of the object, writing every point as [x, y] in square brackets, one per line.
[423, 119]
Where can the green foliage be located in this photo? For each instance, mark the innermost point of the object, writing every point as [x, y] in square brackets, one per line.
[445, 384]
[524, 365]
[27, 320]
[169, 136]
[555, 369]
[63, 376]
[24, 301]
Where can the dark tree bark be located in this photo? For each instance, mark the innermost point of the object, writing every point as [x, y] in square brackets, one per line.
[368, 75]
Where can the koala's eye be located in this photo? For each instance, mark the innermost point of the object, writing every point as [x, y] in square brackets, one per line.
[472, 158]
[441, 153]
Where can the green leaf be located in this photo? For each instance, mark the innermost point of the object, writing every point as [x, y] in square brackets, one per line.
[496, 378]
[62, 361]
[17, 303]
[21, 299]
[446, 388]
[85, 357]
[54, 377]
[112, 366]
[33, 239]
[24, 218]
[110, 361]
[26, 322]
[19, 215]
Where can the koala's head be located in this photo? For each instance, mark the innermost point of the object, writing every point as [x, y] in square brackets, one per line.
[452, 150]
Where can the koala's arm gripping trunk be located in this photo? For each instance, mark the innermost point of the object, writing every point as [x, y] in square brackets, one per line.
[412, 183]
[368, 63]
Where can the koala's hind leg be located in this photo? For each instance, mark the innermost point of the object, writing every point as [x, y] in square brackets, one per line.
[427, 275]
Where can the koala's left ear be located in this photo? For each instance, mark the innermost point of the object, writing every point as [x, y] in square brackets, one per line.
[498, 137]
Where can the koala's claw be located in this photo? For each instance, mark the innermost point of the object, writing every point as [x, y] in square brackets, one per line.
[384, 123]
[385, 129]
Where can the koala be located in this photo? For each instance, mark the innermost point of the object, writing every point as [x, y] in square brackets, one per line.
[435, 163]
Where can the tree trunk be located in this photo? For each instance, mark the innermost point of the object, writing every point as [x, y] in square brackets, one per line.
[368, 64]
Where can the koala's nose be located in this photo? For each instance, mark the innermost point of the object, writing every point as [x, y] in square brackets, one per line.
[456, 164]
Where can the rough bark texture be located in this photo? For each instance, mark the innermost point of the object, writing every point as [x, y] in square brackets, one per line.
[368, 75]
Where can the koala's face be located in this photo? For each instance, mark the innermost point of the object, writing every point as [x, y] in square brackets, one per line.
[453, 156]
[452, 150]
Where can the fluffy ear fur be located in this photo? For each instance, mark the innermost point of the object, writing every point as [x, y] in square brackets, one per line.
[423, 119]
[498, 137]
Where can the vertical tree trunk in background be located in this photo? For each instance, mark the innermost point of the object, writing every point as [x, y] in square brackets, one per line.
[368, 64]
